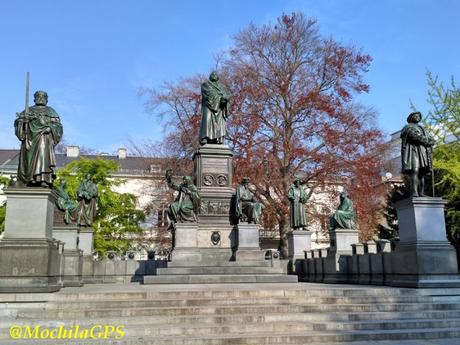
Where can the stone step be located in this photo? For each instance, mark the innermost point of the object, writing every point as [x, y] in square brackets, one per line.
[261, 318]
[213, 263]
[219, 270]
[184, 302]
[273, 338]
[220, 279]
[134, 291]
[198, 329]
[224, 310]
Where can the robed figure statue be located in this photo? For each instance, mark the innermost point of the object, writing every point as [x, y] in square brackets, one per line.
[344, 217]
[186, 205]
[65, 203]
[214, 107]
[39, 129]
[416, 154]
[297, 198]
[87, 196]
[247, 208]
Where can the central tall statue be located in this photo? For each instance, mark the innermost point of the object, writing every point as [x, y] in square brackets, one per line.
[39, 129]
[214, 107]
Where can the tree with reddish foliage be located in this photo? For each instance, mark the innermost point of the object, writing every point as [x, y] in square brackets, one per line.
[293, 115]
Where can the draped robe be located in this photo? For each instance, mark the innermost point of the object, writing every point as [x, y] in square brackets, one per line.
[87, 195]
[214, 108]
[344, 217]
[297, 197]
[39, 132]
[186, 205]
[415, 148]
[247, 208]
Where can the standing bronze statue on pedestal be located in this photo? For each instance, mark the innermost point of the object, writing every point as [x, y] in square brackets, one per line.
[39, 129]
[416, 154]
[214, 107]
[297, 198]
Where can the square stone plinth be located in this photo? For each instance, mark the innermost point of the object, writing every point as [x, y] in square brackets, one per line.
[68, 235]
[423, 257]
[341, 240]
[248, 236]
[29, 212]
[29, 265]
[298, 243]
[185, 235]
[85, 242]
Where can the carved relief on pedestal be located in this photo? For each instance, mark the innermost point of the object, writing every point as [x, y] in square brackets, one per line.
[218, 180]
[215, 207]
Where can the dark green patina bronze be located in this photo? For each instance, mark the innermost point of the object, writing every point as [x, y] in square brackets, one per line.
[416, 154]
[39, 129]
[297, 198]
[87, 196]
[345, 216]
[214, 107]
[65, 203]
[186, 206]
[247, 208]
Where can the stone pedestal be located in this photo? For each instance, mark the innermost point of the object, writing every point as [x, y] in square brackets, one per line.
[298, 242]
[340, 249]
[185, 243]
[423, 257]
[342, 239]
[29, 256]
[213, 173]
[248, 242]
[85, 242]
[72, 255]
[86, 245]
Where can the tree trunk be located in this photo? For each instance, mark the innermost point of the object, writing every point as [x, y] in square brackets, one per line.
[283, 245]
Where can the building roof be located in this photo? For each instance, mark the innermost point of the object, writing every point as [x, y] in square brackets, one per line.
[7, 155]
[9, 160]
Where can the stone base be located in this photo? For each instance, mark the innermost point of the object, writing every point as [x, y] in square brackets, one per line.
[73, 266]
[199, 256]
[85, 242]
[342, 239]
[185, 235]
[298, 242]
[88, 269]
[29, 265]
[29, 213]
[206, 233]
[423, 257]
[335, 268]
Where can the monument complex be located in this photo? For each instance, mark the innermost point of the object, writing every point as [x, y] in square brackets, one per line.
[216, 240]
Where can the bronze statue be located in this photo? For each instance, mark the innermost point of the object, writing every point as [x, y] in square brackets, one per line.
[247, 208]
[297, 198]
[65, 203]
[214, 107]
[87, 196]
[39, 129]
[344, 217]
[416, 154]
[185, 207]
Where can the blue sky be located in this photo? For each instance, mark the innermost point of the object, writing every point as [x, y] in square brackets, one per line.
[93, 56]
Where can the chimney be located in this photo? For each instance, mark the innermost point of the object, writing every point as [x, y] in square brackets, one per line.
[122, 153]
[72, 151]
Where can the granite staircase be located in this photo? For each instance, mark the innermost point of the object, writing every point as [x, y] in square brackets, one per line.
[296, 313]
[220, 271]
